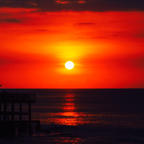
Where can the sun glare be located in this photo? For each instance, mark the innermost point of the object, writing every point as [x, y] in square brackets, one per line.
[69, 65]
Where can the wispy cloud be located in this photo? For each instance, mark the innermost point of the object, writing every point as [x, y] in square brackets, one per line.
[10, 20]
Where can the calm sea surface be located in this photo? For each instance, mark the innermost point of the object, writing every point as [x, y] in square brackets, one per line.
[87, 117]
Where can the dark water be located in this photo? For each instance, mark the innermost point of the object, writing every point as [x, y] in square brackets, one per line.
[88, 116]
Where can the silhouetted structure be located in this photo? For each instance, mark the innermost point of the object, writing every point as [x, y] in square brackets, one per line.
[15, 114]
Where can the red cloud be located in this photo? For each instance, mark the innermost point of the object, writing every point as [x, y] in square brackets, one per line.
[70, 1]
[63, 2]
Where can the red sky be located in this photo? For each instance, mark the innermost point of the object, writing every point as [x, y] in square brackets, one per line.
[106, 47]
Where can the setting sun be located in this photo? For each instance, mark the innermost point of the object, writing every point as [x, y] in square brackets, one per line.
[69, 65]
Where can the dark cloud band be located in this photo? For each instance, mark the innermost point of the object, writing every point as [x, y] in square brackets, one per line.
[77, 5]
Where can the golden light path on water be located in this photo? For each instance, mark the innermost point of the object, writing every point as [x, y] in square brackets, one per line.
[69, 115]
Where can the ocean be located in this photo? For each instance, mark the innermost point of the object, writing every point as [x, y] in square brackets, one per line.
[85, 116]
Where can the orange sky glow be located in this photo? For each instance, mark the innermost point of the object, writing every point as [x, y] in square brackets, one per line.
[106, 47]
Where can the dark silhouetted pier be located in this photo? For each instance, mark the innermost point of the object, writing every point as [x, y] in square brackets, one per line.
[16, 114]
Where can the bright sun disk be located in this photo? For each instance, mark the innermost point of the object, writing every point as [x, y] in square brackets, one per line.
[69, 65]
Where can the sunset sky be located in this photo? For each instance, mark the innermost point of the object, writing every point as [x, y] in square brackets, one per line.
[104, 39]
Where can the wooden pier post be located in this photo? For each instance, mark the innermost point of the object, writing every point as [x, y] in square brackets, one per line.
[30, 118]
[12, 111]
[29, 111]
[4, 111]
[20, 110]
[0, 111]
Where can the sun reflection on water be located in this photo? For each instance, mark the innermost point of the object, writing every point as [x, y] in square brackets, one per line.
[69, 115]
